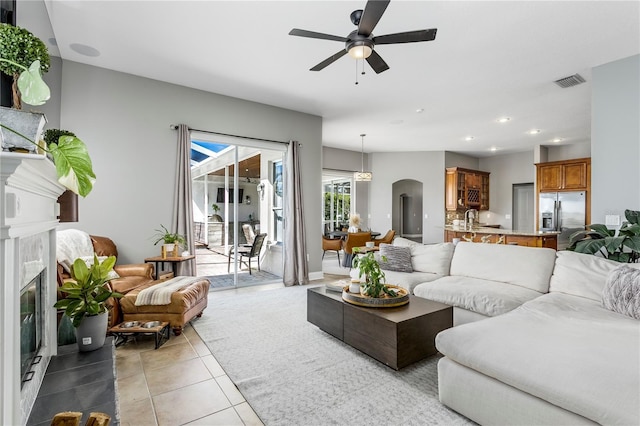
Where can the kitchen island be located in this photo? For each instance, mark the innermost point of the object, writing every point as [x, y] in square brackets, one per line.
[502, 236]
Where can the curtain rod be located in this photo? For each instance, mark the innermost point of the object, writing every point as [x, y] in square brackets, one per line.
[175, 127]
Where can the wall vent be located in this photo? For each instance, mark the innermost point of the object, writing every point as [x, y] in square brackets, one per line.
[572, 80]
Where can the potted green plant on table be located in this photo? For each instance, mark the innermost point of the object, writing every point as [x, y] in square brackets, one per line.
[170, 240]
[374, 283]
[621, 245]
[86, 301]
[215, 216]
[24, 57]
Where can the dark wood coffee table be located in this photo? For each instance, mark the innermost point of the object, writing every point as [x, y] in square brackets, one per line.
[396, 337]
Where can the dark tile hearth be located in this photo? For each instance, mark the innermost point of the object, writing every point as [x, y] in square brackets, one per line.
[77, 381]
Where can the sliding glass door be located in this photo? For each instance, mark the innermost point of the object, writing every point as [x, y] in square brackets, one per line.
[238, 213]
[338, 202]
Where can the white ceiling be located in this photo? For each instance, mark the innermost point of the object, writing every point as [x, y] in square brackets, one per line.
[489, 59]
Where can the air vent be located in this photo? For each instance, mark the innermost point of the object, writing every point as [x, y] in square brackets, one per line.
[572, 80]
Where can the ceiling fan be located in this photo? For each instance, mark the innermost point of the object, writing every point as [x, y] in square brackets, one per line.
[360, 43]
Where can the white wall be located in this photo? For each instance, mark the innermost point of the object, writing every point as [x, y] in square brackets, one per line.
[505, 170]
[615, 138]
[425, 167]
[124, 120]
[455, 159]
[569, 152]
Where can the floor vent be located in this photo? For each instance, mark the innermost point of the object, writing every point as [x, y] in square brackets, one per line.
[572, 80]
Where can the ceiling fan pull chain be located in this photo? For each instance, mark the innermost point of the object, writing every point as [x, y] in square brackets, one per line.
[356, 72]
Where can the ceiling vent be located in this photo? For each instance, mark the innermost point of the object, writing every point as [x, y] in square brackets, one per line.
[572, 80]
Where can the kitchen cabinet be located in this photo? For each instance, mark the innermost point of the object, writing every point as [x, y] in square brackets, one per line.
[466, 189]
[549, 240]
[570, 175]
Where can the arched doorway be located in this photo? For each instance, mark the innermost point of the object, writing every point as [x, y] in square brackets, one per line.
[407, 209]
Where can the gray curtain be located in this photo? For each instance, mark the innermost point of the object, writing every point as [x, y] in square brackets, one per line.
[182, 198]
[296, 269]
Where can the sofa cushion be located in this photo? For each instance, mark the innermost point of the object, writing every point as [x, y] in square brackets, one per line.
[404, 242]
[528, 267]
[433, 258]
[563, 349]
[622, 291]
[485, 297]
[408, 281]
[583, 275]
[395, 258]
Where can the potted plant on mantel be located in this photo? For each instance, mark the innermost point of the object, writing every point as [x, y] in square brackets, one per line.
[86, 301]
[25, 57]
[170, 240]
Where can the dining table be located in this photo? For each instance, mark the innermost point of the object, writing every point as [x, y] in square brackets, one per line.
[343, 234]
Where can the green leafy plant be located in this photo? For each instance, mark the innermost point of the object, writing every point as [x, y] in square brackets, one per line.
[53, 135]
[87, 293]
[167, 237]
[374, 285]
[24, 57]
[621, 245]
[215, 208]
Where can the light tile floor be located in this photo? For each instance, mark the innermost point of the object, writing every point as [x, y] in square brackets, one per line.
[181, 383]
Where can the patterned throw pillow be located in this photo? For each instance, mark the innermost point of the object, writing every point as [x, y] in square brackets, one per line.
[398, 258]
[621, 293]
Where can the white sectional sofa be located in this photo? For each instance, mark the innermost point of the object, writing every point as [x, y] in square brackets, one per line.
[532, 342]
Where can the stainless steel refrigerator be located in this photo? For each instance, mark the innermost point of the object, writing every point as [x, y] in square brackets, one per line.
[563, 212]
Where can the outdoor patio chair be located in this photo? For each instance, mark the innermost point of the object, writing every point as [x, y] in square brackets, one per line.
[248, 252]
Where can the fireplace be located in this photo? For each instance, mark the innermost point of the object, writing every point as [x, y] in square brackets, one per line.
[28, 338]
[31, 327]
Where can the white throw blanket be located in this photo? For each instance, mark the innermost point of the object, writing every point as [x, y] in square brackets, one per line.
[160, 294]
[72, 244]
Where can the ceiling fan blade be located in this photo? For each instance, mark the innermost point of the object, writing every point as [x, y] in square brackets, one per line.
[377, 63]
[331, 59]
[406, 37]
[371, 15]
[312, 34]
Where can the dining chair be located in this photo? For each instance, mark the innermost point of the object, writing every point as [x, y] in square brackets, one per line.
[354, 239]
[331, 244]
[248, 252]
[386, 239]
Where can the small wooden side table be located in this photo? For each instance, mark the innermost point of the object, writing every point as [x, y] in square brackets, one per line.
[173, 261]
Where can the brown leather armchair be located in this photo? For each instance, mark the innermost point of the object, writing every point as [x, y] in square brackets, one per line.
[331, 244]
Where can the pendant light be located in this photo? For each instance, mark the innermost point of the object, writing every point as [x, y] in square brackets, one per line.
[362, 176]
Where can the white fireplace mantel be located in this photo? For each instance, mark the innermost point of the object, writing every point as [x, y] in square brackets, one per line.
[28, 193]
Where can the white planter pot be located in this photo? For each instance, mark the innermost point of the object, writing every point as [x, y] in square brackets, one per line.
[92, 332]
[30, 124]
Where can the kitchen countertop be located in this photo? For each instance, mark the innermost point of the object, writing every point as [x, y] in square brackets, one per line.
[494, 231]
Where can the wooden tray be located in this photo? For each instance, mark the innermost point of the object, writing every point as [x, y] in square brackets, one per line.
[377, 302]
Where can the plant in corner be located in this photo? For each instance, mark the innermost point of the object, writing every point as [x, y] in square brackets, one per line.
[374, 285]
[621, 245]
[24, 57]
[86, 301]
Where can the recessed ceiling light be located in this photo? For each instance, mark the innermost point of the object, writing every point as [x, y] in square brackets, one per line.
[493, 149]
[419, 110]
[504, 119]
[85, 50]
[534, 131]
[469, 138]
[556, 140]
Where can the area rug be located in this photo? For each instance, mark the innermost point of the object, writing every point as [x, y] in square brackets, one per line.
[292, 373]
[244, 278]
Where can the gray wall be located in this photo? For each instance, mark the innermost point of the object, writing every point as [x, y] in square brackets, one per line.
[569, 152]
[454, 159]
[425, 167]
[345, 160]
[505, 170]
[615, 138]
[124, 120]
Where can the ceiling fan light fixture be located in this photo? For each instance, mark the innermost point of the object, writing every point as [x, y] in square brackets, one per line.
[360, 51]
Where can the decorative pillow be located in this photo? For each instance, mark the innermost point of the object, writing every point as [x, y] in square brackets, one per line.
[398, 258]
[621, 293]
[88, 260]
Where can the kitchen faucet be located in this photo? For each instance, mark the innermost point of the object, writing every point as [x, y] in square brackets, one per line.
[469, 215]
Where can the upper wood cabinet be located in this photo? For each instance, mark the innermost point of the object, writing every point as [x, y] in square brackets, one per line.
[466, 189]
[569, 175]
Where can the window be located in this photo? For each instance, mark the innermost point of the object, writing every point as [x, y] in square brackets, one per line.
[277, 200]
[337, 200]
